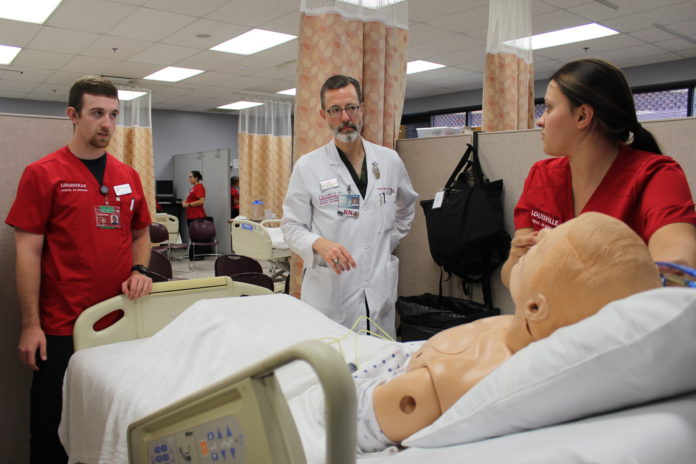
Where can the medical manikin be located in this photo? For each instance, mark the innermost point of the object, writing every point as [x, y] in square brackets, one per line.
[570, 274]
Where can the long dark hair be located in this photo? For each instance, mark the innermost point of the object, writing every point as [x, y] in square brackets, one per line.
[603, 86]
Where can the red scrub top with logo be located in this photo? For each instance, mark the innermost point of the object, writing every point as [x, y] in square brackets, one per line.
[196, 193]
[645, 190]
[81, 264]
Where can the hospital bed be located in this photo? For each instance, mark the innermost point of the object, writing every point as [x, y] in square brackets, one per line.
[617, 387]
[263, 241]
[172, 225]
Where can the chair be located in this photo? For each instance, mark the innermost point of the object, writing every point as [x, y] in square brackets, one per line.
[255, 278]
[202, 233]
[160, 268]
[231, 265]
[159, 236]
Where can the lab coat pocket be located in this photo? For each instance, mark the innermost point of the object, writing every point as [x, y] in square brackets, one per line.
[388, 213]
[392, 278]
[321, 289]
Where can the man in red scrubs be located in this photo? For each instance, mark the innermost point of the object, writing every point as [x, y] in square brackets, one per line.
[81, 235]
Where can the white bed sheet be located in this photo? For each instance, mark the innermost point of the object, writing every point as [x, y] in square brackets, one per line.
[277, 238]
[108, 387]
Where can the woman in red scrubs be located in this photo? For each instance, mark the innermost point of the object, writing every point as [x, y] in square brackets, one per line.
[195, 199]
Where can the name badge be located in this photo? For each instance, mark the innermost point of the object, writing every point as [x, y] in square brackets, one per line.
[123, 189]
[328, 184]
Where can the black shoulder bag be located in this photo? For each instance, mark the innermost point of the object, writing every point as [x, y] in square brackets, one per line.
[466, 234]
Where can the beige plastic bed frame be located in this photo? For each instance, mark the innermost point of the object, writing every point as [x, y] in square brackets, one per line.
[145, 316]
[246, 416]
[172, 225]
[250, 238]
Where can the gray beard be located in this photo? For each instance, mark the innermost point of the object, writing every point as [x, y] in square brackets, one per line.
[347, 137]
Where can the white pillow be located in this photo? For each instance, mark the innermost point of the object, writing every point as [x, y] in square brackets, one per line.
[634, 350]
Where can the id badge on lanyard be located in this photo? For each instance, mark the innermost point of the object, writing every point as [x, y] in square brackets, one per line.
[349, 205]
[108, 217]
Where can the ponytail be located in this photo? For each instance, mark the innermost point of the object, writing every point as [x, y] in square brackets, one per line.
[644, 140]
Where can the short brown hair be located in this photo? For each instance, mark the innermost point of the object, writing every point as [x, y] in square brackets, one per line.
[93, 85]
[338, 82]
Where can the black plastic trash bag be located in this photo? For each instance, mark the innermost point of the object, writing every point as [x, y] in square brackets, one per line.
[423, 316]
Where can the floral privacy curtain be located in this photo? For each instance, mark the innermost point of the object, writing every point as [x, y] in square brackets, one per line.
[508, 88]
[132, 140]
[365, 39]
[264, 143]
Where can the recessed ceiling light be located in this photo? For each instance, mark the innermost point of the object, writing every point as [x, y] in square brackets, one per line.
[240, 105]
[417, 66]
[128, 95]
[566, 36]
[287, 92]
[173, 74]
[8, 53]
[30, 11]
[253, 41]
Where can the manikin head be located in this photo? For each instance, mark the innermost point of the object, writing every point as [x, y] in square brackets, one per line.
[572, 272]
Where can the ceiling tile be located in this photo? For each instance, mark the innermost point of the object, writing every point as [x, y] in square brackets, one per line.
[219, 32]
[125, 48]
[16, 33]
[207, 60]
[133, 70]
[557, 20]
[287, 24]
[89, 65]
[676, 45]
[253, 13]
[40, 59]
[163, 54]
[17, 86]
[595, 46]
[425, 11]
[422, 33]
[469, 19]
[187, 7]
[148, 24]
[664, 15]
[563, 3]
[53, 39]
[89, 15]
[248, 65]
[26, 74]
[599, 12]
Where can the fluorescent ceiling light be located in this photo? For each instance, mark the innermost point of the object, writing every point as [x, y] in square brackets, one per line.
[420, 66]
[240, 105]
[570, 35]
[128, 95]
[8, 53]
[288, 92]
[373, 4]
[173, 74]
[253, 41]
[30, 11]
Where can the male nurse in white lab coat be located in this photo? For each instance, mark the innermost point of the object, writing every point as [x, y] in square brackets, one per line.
[348, 205]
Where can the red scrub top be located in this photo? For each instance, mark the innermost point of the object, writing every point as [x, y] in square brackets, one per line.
[87, 235]
[645, 190]
[196, 193]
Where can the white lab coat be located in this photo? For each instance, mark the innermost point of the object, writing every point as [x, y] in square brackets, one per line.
[386, 213]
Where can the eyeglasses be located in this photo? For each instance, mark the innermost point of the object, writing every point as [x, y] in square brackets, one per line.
[335, 111]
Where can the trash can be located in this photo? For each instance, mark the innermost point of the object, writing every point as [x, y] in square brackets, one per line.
[423, 316]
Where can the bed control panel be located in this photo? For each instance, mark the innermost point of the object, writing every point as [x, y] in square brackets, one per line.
[218, 441]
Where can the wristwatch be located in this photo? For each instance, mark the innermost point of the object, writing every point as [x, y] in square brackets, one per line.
[140, 268]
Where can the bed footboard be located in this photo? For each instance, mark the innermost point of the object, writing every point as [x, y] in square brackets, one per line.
[245, 417]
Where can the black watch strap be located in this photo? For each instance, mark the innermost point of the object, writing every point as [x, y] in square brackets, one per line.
[140, 268]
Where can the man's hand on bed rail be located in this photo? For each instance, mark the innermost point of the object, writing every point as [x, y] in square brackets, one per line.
[336, 255]
[32, 342]
[136, 285]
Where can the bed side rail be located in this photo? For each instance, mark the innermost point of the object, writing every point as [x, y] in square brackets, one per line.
[247, 415]
[147, 315]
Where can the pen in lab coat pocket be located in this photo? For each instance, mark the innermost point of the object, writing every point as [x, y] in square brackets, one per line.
[132, 201]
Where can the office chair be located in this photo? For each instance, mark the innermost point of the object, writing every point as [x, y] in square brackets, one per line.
[202, 233]
[160, 269]
[159, 236]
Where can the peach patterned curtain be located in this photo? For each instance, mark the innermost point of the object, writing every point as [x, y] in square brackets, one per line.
[508, 89]
[132, 141]
[264, 143]
[365, 39]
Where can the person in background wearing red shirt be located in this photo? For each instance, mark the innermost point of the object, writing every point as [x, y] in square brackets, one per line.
[195, 198]
[234, 197]
[81, 235]
[603, 160]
